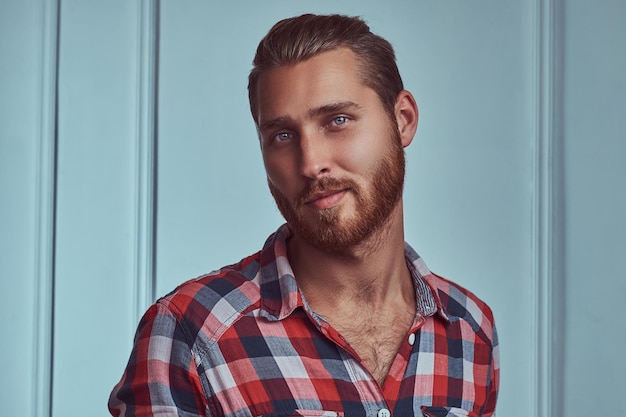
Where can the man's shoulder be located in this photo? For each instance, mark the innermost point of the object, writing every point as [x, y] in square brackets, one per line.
[221, 294]
[459, 303]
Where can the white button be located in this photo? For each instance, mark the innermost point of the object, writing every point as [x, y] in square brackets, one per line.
[412, 339]
[383, 412]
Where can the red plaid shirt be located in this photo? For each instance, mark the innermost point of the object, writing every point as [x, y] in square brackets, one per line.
[242, 341]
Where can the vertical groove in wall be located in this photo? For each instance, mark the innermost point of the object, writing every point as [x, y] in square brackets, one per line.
[46, 211]
[146, 157]
[548, 212]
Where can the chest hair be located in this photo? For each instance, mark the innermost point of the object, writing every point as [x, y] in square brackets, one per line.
[375, 337]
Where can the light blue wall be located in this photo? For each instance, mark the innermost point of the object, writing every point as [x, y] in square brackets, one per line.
[20, 128]
[594, 114]
[129, 163]
[95, 208]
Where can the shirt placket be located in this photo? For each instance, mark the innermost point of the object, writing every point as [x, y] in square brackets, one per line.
[398, 373]
[371, 394]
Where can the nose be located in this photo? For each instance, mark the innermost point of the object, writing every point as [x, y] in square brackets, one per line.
[315, 156]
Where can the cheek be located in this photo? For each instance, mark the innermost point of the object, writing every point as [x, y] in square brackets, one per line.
[279, 172]
[362, 159]
[272, 164]
[366, 149]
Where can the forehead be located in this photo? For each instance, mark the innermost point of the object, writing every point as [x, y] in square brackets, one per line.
[328, 77]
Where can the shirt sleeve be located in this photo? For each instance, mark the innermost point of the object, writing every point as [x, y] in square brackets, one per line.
[494, 383]
[161, 378]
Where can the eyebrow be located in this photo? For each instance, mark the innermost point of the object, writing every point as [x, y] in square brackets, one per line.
[333, 108]
[314, 112]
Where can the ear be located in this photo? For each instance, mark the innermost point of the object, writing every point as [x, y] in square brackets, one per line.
[406, 116]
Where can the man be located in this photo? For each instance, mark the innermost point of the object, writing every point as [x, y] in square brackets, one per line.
[336, 315]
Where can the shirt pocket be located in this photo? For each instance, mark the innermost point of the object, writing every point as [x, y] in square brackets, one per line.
[447, 412]
[306, 413]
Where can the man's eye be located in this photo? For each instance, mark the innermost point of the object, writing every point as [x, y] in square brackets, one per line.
[340, 120]
[283, 136]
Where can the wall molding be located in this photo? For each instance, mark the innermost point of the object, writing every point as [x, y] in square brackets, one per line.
[46, 211]
[547, 210]
[146, 151]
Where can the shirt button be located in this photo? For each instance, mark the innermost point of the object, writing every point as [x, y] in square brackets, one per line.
[412, 339]
[383, 412]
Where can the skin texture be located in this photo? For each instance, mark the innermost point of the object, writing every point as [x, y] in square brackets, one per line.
[335, 165]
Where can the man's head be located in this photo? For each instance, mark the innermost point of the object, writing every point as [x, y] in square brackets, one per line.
[332, 128]
[300, 38]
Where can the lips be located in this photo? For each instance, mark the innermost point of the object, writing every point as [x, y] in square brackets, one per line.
[325, 199]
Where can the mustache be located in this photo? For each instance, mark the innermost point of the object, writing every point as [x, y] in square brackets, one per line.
[325, 184]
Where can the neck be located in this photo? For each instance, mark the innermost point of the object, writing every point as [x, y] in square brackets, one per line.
[373, 272]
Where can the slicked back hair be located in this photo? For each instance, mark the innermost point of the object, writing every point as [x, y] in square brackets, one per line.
[297, 39]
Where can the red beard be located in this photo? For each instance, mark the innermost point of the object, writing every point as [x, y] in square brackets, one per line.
[327, 230]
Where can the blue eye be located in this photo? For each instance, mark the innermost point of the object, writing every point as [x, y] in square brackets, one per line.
[340, 120]
[283, 136]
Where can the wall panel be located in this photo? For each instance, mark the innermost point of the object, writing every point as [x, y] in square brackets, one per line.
[146, 156]
[595, 202]
[547, 236]
[27, 143]
[97, 217]
[470, 172]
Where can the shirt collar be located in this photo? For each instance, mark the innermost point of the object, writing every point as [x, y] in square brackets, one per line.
[427, 288]
[280, 295]
[279, 291]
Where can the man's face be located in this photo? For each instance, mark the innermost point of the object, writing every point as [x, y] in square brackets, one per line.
[333, 156]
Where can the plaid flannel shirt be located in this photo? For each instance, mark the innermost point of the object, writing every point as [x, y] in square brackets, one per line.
[242, 341]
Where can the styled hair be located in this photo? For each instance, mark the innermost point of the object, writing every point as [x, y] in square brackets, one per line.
[297, 39]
